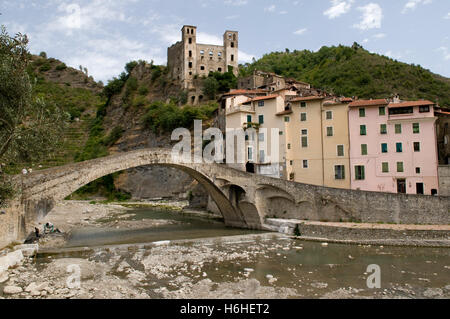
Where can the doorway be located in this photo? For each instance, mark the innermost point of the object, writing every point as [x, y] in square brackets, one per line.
[401, 186]
[420, 189]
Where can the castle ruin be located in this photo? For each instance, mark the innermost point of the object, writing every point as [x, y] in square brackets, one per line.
[188, 60]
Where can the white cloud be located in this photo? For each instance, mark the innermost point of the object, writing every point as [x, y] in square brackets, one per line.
[245, 57]
[446, 53]
[372, 14]
[393, 55]
[412, 4]
[379, 35]
[237, 3]
[447, 16]
[270, 8]
[301, 31]
[338, 8]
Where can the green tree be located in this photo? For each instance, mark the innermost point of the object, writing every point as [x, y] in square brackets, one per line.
[210, 87]
[30, 129]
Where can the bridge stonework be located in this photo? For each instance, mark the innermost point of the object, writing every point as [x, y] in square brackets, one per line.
[245, 200]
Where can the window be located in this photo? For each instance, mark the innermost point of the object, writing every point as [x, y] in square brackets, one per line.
[303, 117]
[400, 168]
[219, 69]
[211, 53]
[417, 170]
[280, 133]
[385, 167]
[202, 52]
[399, 147]
[304, 141]
[384, 148]
[302, 104]
[261, 119]
[190, 40]
[416, 128]
[289, 146]
[219, 54]
[362, 112]
[401, 110]
[360, 173]
[287, 119]
[329, 115]
[339, 172]
[249, 118]
[398, 129]
[190, 65]
[363, 149]
[382, 110]
[190, 54]
[261, 137]
[330, 131]
[304, 132]
[383, 129]
[416, 146]
[305, 163]
[261, 103]
[202, 67]
[340, 150]
[232, 57]
[362, 130]
[250, 153]
[262, 155]
[291, 163]
[424, 109]
[232, 44]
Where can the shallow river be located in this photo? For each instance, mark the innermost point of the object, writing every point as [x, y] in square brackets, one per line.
[302, 269]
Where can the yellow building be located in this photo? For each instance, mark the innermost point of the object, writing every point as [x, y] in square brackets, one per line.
[336, 147]
[304, 141]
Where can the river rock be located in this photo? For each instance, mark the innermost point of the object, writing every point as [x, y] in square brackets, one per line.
[433, 292]
[10, 260]
[12, 290]
[28, 250]
[59, 268]
[33, 287]
[4, 277]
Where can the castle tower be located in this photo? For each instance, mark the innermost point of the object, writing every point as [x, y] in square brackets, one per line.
[231, 46]
[189, 39]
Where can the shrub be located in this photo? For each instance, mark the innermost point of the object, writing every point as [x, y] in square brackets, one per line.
[61, 67]
[132, 84]
[143, 90]
[114, 136]
[43, 55]
[46, 67]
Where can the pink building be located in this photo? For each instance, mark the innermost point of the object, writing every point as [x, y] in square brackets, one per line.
[393, 147]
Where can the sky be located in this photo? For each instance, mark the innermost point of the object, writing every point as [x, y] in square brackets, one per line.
[103, 35]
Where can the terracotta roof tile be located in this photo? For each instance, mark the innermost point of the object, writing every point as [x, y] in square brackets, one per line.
[238, 92]
[307, 98]
[262, 98]
[378, 102]
[410, 103]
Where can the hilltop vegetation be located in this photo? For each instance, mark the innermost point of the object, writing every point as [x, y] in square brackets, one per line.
[353, 71]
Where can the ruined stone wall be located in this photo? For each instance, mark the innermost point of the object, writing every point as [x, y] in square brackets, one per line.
[11, 221]
[444, 180]
[175, 61]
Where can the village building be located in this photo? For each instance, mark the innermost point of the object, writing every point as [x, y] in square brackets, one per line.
[393, 146]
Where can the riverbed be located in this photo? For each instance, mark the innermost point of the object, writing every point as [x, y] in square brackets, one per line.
[157, 252]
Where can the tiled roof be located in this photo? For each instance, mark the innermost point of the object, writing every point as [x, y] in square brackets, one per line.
[262, 98]
[442, 112]
[410, 103]
[307, 98]
[378, 102]
[238, 92]
[346, 100]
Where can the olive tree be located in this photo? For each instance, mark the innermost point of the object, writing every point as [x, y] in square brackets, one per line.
[30, 128]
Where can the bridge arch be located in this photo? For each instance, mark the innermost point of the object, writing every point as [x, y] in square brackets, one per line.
[53, 185]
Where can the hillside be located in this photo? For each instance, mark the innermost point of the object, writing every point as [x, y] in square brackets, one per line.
[353, 71]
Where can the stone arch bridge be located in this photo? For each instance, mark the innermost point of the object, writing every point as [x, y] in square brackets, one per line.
[245, 200]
